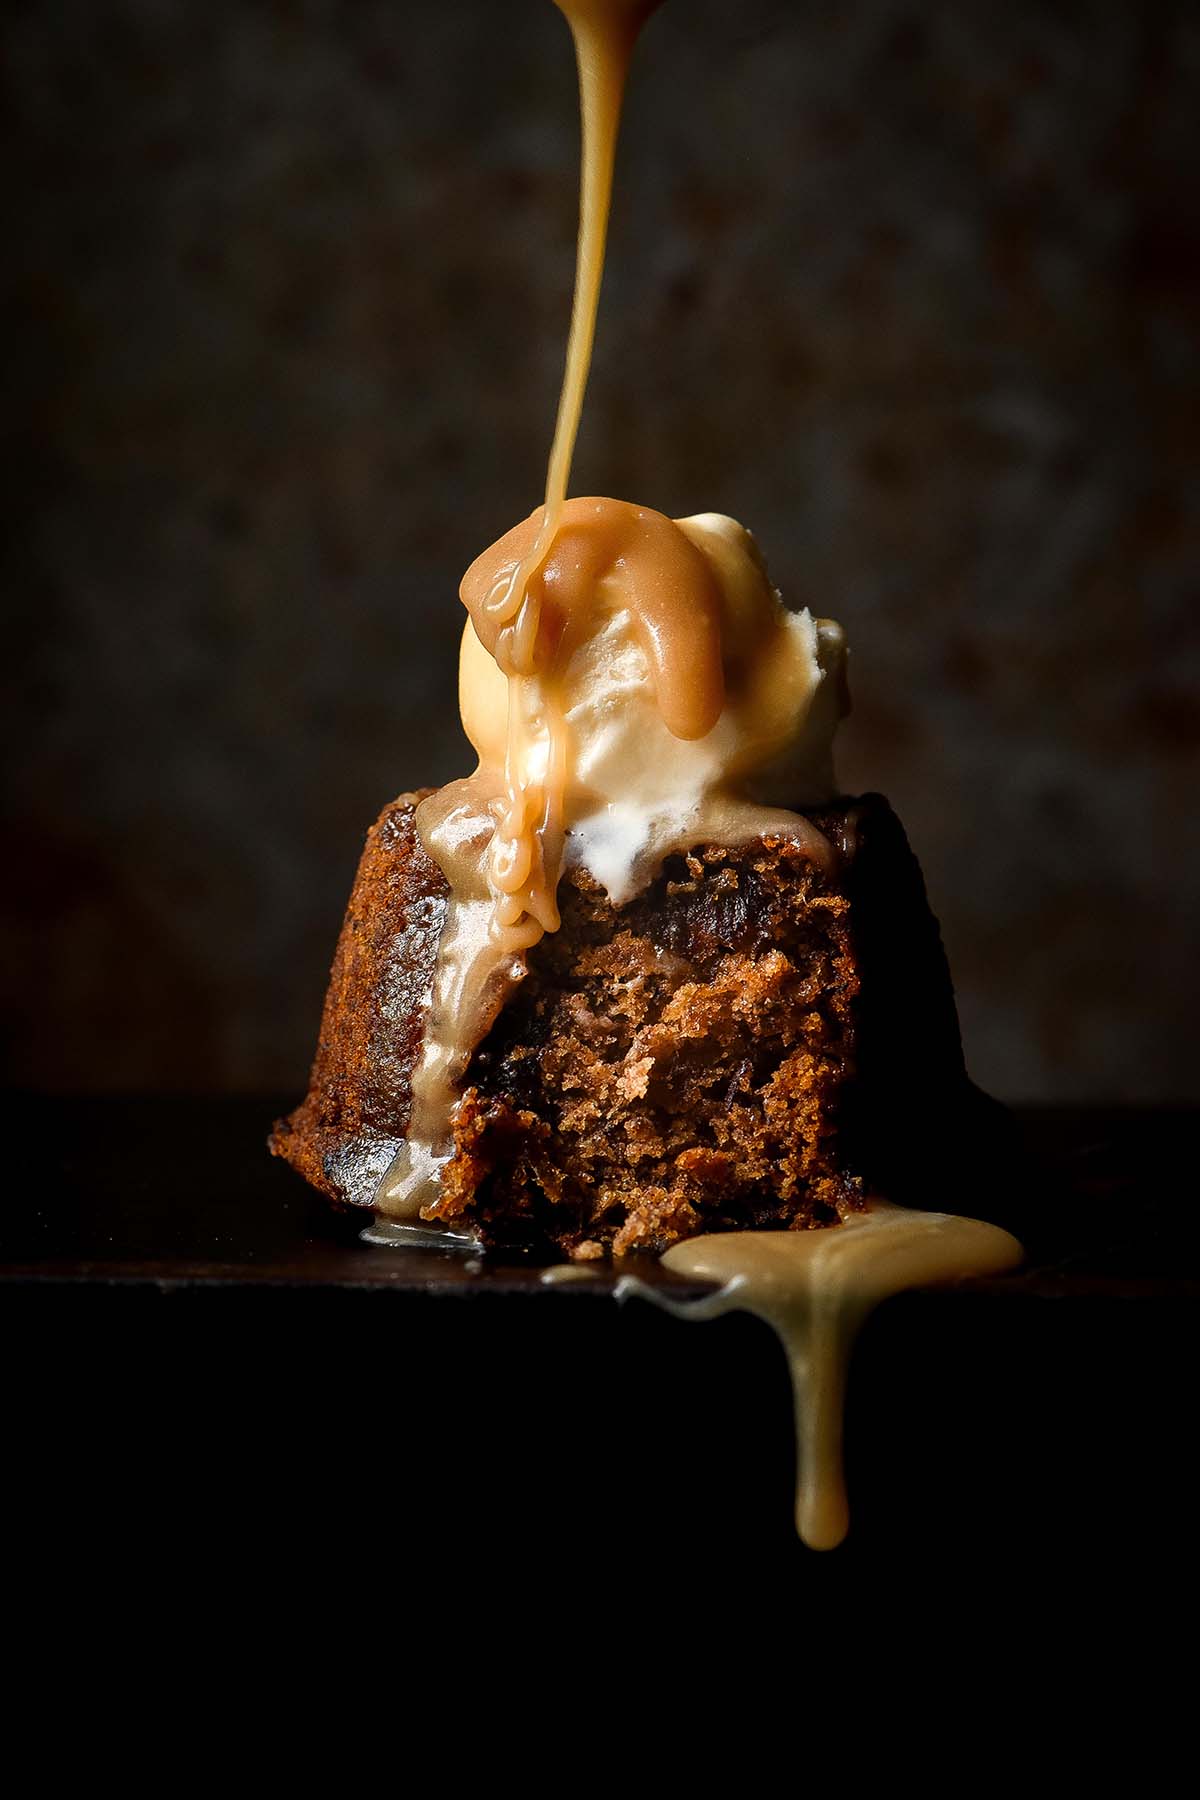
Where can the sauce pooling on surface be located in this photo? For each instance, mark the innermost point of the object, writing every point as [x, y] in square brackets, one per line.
[816, 1289]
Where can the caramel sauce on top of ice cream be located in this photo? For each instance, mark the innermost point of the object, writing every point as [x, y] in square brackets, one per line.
[665, 579]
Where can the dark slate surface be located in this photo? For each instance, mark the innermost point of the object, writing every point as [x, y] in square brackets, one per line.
[216, 1398]
[181, 1192]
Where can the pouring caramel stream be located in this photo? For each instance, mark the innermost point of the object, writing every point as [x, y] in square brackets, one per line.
[508, 615]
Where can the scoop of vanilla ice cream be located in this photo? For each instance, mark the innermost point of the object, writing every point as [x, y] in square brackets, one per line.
[632, 785]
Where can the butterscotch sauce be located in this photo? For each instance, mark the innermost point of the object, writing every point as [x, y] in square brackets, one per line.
[665, 580]
[816, 1289]
[568, 1274]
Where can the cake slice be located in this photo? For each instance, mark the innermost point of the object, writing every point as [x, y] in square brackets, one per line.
[750, 1041]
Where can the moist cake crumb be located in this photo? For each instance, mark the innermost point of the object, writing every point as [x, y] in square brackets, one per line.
[750, 1042]
[668, 1064]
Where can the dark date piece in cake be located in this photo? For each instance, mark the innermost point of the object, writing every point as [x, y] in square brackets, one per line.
[751, 1042]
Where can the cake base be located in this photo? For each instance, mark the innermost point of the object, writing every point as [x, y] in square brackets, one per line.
[751, 1042]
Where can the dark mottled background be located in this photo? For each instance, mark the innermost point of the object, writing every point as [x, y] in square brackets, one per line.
[912, 289]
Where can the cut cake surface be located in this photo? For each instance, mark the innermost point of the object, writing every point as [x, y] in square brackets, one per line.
[750, 1042]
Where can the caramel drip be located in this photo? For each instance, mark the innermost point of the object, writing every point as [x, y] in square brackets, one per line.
[503, 881]
[477, 965]
[816, 1289]
[673, 601]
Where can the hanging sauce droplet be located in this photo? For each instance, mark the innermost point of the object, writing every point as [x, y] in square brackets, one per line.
[816, 1289]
